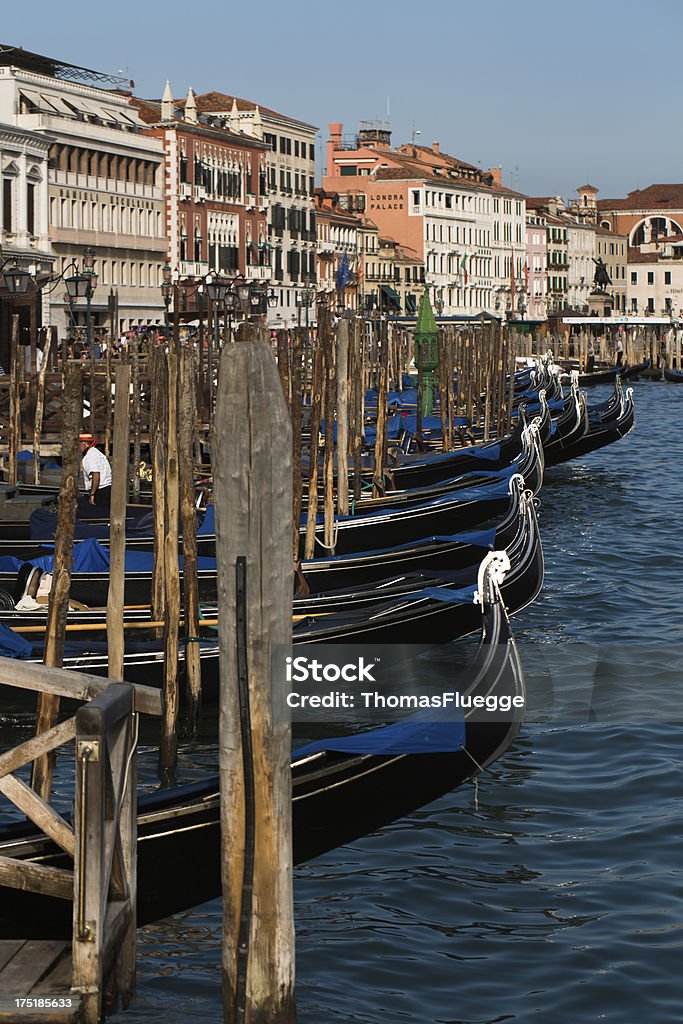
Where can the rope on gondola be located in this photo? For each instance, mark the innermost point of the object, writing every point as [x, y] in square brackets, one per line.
[332, 546]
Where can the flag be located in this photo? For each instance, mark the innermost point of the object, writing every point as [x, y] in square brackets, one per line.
[463, 266]
[343, 273]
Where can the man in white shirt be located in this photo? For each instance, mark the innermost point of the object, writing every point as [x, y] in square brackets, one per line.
[96, 472]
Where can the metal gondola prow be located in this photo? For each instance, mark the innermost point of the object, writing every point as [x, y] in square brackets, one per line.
[491, 575]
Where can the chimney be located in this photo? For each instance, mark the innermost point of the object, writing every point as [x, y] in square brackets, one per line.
[435, 147]
[191, 106]
[497, 175]
[336, 135]
[333, 144]
[167, 104]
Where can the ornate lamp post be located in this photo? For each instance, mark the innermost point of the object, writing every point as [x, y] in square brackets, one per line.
[16, 279]
[305, 299]
[426, 351]
[82, 285]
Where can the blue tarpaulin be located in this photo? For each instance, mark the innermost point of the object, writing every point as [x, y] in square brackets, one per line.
[420, 734]
[12, 645]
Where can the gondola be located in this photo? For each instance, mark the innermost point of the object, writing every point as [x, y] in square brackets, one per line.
[342, 789]
[673, 376]
[587, 380]
[426, 616]
[351, 606]
[637, 370]
[600, 433]
[354, 571]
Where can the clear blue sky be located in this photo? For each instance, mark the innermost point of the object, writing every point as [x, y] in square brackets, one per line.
[557, 93]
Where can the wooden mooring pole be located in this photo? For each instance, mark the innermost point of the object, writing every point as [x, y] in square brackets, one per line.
[168, 746]
[253, 494]
[48, 704]
[117, 530]
[186, 424]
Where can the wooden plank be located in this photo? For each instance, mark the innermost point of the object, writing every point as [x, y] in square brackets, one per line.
[25, 752]
[74, 685]
[40, 813]
[8, 947]
[30, 877]
[30, 964]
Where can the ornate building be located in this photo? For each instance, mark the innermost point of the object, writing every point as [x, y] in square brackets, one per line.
[290, 173]
[105, 183]
[24, 231]
[215, 195]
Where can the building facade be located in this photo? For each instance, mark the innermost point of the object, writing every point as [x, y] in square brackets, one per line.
[536, 267]
[24, 231]
[290, 174]
[216, 216]
[105, 185]
[467, 231]
[337, 250]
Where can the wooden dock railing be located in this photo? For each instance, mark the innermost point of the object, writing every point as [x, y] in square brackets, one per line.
[103, 838]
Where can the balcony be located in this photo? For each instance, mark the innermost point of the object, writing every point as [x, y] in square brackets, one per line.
[192, 269]
[185, 190]
[258, 273]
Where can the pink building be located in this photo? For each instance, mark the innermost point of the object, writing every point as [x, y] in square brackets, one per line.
[536, 265]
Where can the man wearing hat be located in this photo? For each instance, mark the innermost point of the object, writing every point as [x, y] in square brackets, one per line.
[96, 472]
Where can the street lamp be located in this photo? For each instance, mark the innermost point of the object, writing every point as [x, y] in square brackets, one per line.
[167, 289]
[305, 298]
[16, 279]
[82, 285]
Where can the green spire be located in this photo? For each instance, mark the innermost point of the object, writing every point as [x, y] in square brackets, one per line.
[425, 326]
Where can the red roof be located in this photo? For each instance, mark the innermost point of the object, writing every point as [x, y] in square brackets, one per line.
[662, 197]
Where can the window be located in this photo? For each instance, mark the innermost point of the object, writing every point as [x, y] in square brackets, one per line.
[650, 305]
[634, 305]
[634, 277]
[296, 147]
[416, 197]
[311, 150]
[650, 277]
[7, 220]
[449, 202]
[667, 277]
[31, 210]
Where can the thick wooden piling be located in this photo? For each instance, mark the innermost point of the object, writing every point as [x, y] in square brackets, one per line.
[14, 432]
[117, 530]
[50, 337]
[326, 336]
[342, 416]
[48, 704]
[253, 489]
[186, 421]
[157, 430]
[296, 409]
[168, 746]
[381, 436]
[313, 472]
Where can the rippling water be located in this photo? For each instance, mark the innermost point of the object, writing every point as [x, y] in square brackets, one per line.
[552, 889]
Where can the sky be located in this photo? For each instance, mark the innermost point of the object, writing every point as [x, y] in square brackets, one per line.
[557, 94]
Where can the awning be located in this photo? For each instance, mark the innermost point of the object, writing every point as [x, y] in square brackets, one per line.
[38, 101]
[391, 295]
[411, 304]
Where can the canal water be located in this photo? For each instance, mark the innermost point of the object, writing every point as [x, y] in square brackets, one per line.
[551, 889]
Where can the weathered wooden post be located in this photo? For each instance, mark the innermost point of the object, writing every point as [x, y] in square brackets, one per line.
[168, 746]
[14, 432]
[342, 416]
[40, 402]
[117, 529]
[317, 384]
[186, 421]
[48, 704]
[297, 398]
[157, 436]
[136, 418]
[326, 336]
[381, 434]
[253, 491]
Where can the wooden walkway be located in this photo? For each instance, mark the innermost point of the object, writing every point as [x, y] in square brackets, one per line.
[34, 970]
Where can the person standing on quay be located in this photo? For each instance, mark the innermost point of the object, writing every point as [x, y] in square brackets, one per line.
[96, 472]
[620, 351]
